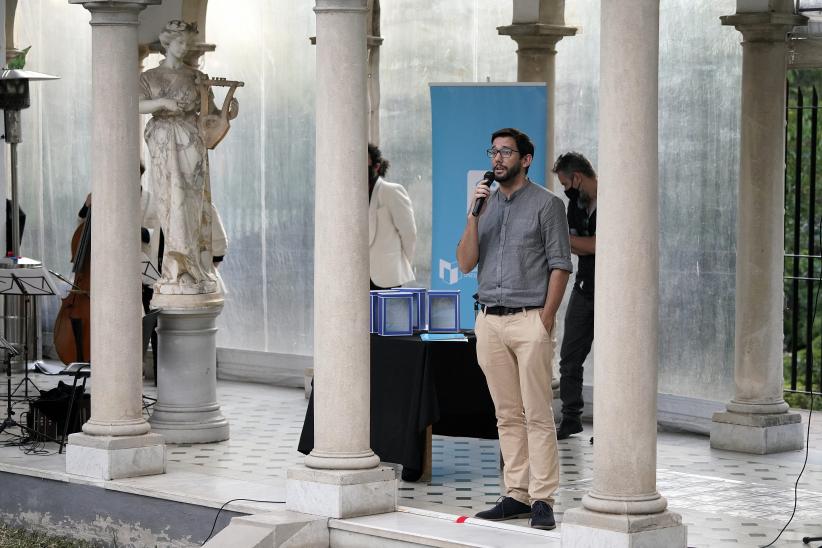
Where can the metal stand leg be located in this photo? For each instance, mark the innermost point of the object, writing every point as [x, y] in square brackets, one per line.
[70, 410]
[8, 422]
[23, 317]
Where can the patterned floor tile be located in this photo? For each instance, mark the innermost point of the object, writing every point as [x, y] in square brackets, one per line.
[726, 499]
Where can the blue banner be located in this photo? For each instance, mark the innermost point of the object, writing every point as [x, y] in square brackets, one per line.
[463, 117]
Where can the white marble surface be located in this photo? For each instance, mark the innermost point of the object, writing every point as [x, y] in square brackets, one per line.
[757, 440]
[579, 536]
[337, 501]
[280, 528]
[439, 529]
[342, 477]
[110, 464]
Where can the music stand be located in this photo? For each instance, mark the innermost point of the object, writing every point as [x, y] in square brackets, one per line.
[24, 277]
[8, 348]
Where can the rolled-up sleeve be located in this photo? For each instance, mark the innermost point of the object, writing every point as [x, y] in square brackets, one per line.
[554, 223]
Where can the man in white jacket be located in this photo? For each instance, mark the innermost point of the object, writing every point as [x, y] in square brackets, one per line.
[392, 232]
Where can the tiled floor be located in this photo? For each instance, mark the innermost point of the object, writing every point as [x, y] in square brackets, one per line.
[726, 499]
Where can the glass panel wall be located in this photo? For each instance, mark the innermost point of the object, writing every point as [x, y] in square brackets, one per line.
[263, 172]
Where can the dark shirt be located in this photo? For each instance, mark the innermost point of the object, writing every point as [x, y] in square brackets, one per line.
[21, 224]
[521, 240]
[582, 224]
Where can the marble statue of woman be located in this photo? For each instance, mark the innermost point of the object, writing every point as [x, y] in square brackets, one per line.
[179, 165]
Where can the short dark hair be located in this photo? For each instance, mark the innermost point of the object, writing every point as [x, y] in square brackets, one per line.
[375, 154]
[572, 162]
[524, 144]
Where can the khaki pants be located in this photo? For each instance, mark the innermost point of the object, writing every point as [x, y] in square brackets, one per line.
[515, 353]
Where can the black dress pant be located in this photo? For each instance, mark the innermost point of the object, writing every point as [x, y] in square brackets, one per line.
[148, 293]
[576, 344]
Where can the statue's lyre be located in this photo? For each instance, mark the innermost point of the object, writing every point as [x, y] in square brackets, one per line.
[213, 127]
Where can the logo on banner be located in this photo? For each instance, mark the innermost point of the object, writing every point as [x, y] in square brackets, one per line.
[449, 272]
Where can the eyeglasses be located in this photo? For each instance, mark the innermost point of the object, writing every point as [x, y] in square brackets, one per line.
[504, 151]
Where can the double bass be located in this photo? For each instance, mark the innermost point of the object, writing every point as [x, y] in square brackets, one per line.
[72, 328]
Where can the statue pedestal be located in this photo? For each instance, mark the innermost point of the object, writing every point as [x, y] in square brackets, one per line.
[187, 410]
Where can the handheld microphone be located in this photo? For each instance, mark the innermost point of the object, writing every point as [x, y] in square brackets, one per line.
[487, 179]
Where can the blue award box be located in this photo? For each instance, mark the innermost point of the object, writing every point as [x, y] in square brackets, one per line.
[419, 316]
[395, 313]
[443, 310]
[374, 312]
[375, 308]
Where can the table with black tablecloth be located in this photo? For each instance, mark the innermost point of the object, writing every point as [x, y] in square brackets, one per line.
[416, 384]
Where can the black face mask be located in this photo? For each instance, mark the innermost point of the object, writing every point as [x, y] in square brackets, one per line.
[577, 198]
[372, 175]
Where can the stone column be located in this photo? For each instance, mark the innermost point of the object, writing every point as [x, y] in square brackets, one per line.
[537, 27]
[115, 442]
[757, 418]
[342, 477]
[373, 41]
[623, 507]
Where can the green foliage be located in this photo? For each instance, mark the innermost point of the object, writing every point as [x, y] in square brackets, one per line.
[19, 60]
[803, 401]
[19, 538]
[800, 223]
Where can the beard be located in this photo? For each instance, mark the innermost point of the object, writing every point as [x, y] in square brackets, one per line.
[509, 174]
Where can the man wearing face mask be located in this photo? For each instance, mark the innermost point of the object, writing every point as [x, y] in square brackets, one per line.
[392, 232]
[579, 180]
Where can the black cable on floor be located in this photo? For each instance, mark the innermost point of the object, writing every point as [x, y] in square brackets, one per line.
[796, 485]
[229, 502]
[808, 435]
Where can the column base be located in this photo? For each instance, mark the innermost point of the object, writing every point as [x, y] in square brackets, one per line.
[201, 424]
[107, 458]
[341, 493]
[582, 528]
[757, 433]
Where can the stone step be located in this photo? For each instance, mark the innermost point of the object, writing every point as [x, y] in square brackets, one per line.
[417, 527]
[404, 528]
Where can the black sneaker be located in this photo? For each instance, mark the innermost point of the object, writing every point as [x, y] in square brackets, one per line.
[568, 427]
[542, 516]
[507, 508]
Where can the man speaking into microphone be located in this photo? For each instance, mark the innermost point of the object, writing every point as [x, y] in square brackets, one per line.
[519, 239]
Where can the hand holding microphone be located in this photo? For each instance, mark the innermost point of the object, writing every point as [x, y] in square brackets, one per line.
[487, 179]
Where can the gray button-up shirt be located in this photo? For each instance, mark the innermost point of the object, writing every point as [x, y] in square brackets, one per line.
[521, 239]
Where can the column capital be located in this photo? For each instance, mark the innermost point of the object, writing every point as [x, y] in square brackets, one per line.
[325, 6]
[764, 26]
[540, 36]
[115, 12]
